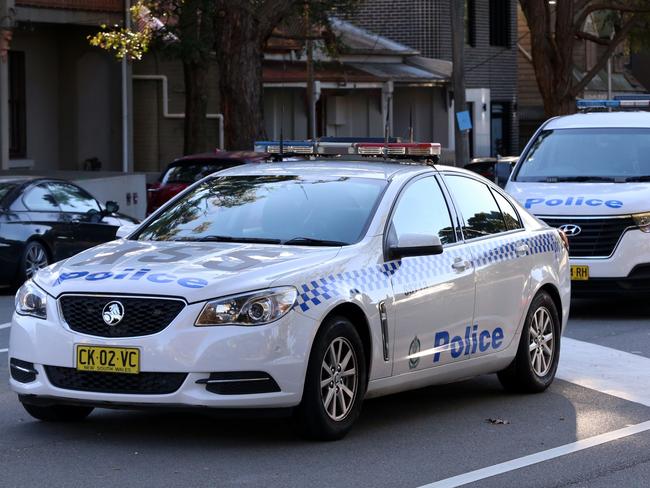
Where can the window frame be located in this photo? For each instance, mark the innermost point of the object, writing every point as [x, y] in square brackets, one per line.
[502, 195]
[461, 217]
[453, 216]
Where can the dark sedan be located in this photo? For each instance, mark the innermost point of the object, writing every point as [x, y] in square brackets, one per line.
[45, 220]
[186, 170]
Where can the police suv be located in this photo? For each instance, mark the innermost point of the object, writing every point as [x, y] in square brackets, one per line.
[304, 285]
[589, 175]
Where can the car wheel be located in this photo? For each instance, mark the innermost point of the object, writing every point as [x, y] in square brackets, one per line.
[335, 383]
[534, 367]
[57, 413]
[34, 258]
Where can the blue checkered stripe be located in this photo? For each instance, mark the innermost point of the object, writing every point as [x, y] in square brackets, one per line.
[419, 272]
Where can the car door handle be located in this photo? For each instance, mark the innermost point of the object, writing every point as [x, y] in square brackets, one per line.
[522, 250]
[460, 264]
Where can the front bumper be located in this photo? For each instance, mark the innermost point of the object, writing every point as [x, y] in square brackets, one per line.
[280, 349]
[626, 270]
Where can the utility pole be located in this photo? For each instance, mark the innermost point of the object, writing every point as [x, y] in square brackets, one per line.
[458, 80]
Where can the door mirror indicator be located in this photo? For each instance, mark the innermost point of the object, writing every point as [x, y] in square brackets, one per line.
[410, 245]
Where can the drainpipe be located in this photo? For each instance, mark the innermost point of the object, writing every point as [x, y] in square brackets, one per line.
[126, 99]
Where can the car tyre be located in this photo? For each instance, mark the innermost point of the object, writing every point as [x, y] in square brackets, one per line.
[335, 383]
[34, 257]
[57, 413]
[534, 367]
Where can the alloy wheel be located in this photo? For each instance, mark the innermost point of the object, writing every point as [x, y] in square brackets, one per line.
[338, 379]
[541, 342]
[35, 259]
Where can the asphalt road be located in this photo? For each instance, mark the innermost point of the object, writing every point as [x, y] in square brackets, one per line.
[406, 440]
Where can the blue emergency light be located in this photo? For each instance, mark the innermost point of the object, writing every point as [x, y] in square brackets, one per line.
[622, 102]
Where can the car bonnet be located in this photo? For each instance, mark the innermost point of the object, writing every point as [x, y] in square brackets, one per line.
[195, 271]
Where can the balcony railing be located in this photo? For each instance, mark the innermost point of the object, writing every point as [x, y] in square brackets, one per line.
[89, 5]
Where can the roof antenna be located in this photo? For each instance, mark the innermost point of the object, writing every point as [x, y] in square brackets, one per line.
[411, 125]
[280, 156]
[386, 129]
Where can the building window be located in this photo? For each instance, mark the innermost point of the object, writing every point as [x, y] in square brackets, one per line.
[17, 120]
[500, 23]
[500, 128]
[470, 23]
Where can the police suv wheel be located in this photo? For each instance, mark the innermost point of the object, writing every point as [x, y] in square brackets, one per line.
[534, 367]
[335, 383]
[57, 413]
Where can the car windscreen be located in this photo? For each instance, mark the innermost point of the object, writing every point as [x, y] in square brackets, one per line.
[589, 155]
[188, 173]
[278, 209]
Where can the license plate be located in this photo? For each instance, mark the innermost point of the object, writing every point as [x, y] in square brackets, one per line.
[108, 359]
[579, 273]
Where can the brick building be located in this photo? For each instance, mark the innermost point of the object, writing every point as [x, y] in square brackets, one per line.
[490, 57]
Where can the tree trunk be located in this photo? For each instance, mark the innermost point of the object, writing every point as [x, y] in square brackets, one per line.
[239, 57]
[196, 107]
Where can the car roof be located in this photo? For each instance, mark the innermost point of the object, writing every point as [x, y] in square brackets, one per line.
[221, 156]
[374, 169]
[601, 120]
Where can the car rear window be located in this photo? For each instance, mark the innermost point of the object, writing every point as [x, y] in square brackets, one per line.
[190, 172]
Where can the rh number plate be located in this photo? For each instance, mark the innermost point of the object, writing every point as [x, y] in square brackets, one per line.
[108, 359]
[579, 273]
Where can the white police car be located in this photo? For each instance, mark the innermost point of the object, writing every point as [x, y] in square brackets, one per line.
[589, 175]
[310, 285]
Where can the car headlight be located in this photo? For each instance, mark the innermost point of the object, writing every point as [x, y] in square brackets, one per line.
[31, 300]
[256, 308]
[643, 221]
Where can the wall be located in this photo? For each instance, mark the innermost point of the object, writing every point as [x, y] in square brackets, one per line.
[294, 122]
[157, 140]
[72, 99]
[425, 26]
[430, 114]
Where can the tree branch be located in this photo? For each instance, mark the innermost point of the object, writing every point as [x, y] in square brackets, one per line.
[592, 38]
[618, 38]
[613, 6]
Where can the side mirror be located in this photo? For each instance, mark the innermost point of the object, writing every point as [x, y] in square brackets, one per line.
[125, 230]
[409, 245]
[112, 207]
[502, 173]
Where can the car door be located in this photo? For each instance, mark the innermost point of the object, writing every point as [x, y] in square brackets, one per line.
[47, 220]
[433, 295]
[84, 214]
[501, 256]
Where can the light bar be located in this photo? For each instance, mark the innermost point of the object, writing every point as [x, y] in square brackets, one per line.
[351, 146]
[289, 147]
[624, 103]
[420, 149]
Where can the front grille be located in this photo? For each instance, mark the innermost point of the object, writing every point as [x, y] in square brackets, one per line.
[598, 236]
[142, 316]
[139, 384]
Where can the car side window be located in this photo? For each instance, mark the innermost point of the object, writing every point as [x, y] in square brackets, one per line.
[71, 198]
[40, 199]
[422, 209]
[477, 205]
[510, 215]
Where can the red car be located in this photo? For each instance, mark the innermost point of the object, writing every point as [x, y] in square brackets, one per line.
[188, 169]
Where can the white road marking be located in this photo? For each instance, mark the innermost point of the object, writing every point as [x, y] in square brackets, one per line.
[604, 369]
[5, 326]
[599, 368]
[539, 457]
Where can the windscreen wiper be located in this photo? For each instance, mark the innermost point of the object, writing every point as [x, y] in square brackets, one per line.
[309, 241]
[584, 179]
[256, 240]
[637, 178]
